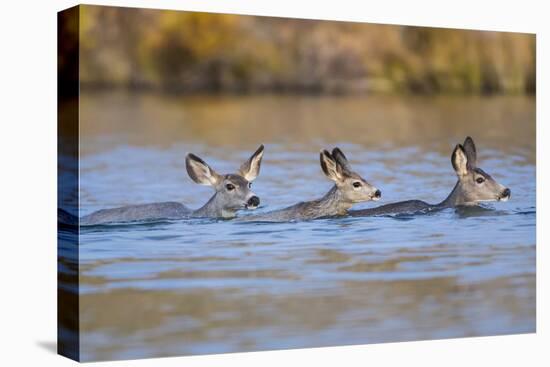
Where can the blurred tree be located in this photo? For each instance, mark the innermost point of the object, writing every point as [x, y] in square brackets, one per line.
[190, 52]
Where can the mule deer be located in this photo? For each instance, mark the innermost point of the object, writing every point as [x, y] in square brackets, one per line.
[232, 194]
[349, 188]
[473, 186]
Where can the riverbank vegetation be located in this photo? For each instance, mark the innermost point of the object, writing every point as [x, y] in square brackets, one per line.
[177, 51]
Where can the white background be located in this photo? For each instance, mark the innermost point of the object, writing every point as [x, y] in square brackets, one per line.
[28, 181]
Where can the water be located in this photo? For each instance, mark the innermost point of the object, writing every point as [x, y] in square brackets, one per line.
[211, 286]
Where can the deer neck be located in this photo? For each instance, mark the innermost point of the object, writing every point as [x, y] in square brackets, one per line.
[455, 198]
[333, 203]
[214, 208]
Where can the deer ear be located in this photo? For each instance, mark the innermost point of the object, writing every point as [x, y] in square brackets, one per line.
[251, 168]
[200, 172]
[330, 167]
[460, 161]
[470, 149]
[340, 158]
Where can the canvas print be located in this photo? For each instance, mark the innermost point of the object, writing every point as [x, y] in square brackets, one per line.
[232, 183]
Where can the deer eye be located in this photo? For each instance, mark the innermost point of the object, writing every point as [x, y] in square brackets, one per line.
[480, 180]
[357, 184]
[230, 187]
[249, 184]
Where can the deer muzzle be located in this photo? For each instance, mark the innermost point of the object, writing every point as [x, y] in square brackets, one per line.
[253, 202]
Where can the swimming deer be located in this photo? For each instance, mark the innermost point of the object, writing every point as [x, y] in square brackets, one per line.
[349, 188]
[232, 194]
[473, 186]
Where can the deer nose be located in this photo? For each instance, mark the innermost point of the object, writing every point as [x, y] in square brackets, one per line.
[506, 193]
[377, 194]
[253, 201]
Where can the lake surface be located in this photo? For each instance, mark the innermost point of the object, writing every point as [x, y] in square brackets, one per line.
[212, 286]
